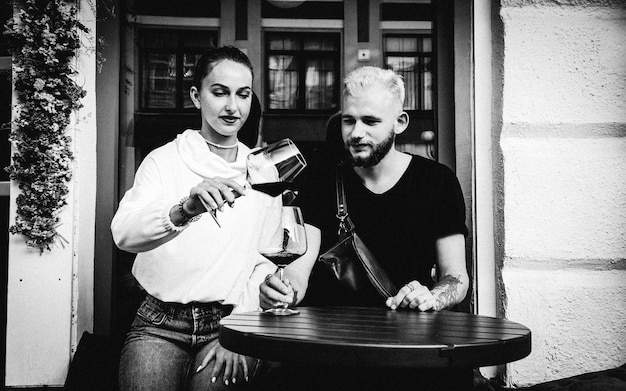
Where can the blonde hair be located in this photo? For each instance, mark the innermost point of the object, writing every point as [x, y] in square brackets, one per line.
[367, 77]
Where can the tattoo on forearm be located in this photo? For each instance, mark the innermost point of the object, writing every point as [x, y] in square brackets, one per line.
[446, 292]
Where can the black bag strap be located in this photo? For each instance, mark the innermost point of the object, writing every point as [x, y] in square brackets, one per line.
[375, 273]
[345, 223]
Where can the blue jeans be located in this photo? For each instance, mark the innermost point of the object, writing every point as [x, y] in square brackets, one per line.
[168, 341]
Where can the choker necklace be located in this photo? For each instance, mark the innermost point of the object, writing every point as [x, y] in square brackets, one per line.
[220, 146]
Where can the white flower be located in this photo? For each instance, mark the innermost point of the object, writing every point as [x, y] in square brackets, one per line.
[39, 84]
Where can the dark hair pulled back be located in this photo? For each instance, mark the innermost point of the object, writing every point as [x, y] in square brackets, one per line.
[214, 55]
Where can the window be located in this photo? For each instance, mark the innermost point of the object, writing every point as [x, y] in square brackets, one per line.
[302, 72]
[411, 57]
[168, 58]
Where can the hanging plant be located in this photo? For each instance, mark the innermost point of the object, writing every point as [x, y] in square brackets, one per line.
[44, 36]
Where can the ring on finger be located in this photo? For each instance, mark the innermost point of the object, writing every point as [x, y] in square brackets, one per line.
[268, 278]
[410, 286]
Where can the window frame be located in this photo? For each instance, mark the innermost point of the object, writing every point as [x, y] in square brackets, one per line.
[179, 50]
[301, 55]
[417, 113]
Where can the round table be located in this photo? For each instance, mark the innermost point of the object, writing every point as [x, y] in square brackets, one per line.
[354, 336]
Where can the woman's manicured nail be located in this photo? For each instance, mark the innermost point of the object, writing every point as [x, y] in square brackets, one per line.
[213, 379]
[199, 368]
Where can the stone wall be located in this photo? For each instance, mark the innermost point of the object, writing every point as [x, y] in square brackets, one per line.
[563, 168]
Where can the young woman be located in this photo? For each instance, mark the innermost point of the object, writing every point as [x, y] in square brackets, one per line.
[193, 270]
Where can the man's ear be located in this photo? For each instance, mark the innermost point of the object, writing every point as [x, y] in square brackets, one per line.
[194, 94]
[402, 122]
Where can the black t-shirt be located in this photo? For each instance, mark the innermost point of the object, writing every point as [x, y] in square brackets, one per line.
[400, 226]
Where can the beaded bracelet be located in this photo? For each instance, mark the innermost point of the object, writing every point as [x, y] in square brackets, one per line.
[186, 217]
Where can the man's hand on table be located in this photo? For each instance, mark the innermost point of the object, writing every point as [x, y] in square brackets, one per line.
[414, 296]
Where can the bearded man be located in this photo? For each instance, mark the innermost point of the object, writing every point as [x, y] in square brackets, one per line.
[407, 209]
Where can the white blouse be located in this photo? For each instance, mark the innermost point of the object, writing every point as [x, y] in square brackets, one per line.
[198, 261]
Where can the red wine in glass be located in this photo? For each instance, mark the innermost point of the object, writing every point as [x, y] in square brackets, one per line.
[281, 258]
[283, 240]
[272, 169]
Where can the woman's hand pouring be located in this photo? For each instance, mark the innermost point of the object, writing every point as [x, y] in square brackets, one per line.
[214, 193]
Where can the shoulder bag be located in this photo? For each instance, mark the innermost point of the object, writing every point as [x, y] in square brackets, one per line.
[351, 262]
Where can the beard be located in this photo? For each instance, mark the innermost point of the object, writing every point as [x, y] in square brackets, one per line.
[379, 151]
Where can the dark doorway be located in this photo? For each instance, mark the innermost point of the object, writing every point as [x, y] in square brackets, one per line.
[153, 126]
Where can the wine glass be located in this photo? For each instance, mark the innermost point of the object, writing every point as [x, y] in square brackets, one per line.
[272, 169]
[283, 240]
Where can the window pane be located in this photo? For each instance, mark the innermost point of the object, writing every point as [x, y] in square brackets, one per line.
[189, 64]
[169, 58]
[320, 84]
[320, 44]
[406, 67]
[283, 82]
[401, 44]
[409, 45]
[160, 80]
[157, 39]
[392, 44]
[426, 76]
[199, 40]
[284, 43]
[427, 45]
[303, 71]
